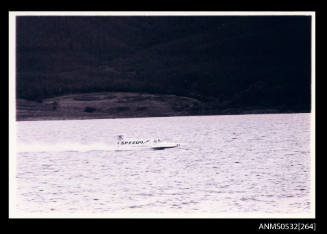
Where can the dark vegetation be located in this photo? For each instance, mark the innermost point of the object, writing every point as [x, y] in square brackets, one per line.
[229, 62]
[89, 109]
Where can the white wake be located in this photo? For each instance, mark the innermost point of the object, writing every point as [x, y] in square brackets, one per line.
[63, 147]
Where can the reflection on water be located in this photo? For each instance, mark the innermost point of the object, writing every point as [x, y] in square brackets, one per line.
[246, 163]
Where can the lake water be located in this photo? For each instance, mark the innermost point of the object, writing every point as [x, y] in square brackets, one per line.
[225, 164]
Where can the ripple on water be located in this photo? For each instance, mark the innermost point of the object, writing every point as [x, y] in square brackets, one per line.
[249, 163]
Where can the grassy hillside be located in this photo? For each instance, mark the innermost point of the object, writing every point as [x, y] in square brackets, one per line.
[101, 105]
[228, 62]
[108, 105]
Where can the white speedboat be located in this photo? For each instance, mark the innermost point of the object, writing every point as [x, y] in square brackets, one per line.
[156, 144]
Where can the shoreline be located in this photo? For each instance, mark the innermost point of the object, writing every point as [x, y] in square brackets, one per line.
[117, 105]
[49, 118]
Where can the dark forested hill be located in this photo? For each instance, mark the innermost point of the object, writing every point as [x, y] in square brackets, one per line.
[232, 62]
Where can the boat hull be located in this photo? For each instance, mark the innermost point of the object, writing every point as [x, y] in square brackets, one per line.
[164, 147]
